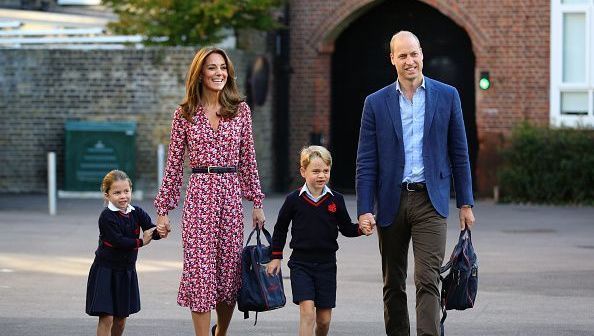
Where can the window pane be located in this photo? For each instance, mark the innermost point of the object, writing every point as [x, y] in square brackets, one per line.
[570, 2]
[574, 48]
[574, 102]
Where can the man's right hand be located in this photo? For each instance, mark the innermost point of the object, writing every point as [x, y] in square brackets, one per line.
[163, 226]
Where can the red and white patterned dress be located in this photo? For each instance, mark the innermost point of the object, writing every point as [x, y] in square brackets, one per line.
[212, 220]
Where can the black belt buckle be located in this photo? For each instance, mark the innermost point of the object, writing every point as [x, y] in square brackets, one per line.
[214, 170]
[413, 186]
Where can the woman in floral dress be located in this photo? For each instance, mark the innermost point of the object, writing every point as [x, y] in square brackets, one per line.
[213, 125]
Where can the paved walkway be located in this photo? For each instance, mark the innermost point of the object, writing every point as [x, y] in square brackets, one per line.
[536, 274]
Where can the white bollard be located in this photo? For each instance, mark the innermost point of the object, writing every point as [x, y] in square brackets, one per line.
[160, 163]
[496, 194]
[51, 182]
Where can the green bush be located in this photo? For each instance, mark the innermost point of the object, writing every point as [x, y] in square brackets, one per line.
[550, 166]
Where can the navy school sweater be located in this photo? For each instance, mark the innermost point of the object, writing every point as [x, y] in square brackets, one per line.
[314, 226]
[118, 237]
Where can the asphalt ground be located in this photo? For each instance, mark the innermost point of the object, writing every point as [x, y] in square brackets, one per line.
[536, 274]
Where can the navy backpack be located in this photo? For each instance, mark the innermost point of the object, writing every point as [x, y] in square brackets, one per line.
[459, 286]
[259, 291]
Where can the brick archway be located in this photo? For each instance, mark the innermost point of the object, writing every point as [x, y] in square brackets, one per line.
[502, 34]
[312, 49]
[326, 32]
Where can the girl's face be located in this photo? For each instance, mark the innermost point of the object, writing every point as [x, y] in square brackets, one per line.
[214, 72]
[316, 175]
[120, 194]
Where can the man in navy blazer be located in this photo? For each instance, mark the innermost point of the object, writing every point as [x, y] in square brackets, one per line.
[412, 143]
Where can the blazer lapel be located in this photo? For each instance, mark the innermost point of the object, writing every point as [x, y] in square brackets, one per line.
[430, 105]
[393, 104]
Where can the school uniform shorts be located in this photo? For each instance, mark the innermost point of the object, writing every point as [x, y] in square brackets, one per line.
[313, 281]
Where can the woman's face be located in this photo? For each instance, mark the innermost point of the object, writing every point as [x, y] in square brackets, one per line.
[214, 72]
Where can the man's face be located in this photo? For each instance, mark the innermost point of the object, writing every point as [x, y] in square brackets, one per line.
[406, 55]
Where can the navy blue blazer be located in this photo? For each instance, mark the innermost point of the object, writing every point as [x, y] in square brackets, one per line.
[380, 155]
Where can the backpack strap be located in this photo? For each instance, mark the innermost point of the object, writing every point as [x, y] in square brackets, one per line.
[464, 234]
[444, 313]
[258, 241]
[444, 269]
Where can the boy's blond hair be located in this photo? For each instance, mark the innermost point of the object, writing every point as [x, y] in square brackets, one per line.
[308, 153]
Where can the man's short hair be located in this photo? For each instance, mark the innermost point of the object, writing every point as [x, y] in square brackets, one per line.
[403, 32]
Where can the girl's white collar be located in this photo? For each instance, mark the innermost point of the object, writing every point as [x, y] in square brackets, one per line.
[112, 207]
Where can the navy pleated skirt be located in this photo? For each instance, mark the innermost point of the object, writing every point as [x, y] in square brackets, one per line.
[112, 291]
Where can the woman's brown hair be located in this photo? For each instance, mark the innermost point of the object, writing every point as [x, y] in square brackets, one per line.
[229, 97]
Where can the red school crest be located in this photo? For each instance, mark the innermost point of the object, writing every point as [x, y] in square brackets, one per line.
[332, 207]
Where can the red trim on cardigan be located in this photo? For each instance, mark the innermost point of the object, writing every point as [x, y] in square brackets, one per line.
[320, 201]
[106, 243]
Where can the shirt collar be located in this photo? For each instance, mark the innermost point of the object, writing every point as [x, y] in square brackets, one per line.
[398, 84]
[304, 189]
[112, 207]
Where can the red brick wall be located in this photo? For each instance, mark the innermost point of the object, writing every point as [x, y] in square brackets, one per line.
[510, 39]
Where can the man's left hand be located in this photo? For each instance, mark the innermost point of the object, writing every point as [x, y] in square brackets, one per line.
[466, 218]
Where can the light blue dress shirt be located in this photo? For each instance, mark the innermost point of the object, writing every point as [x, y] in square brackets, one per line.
[412, 113]
[305, 190]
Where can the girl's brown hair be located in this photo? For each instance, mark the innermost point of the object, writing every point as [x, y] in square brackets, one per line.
[111, 177]
[229, 97]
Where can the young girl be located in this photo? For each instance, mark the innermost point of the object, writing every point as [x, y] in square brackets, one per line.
[316, 214]
[112, 287]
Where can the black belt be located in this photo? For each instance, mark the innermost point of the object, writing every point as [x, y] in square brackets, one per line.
[214, 170]
[414, 186]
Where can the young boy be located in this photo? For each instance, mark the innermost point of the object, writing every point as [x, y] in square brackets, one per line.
[317, 214]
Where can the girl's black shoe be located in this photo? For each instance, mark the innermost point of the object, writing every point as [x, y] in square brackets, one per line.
[214, 328]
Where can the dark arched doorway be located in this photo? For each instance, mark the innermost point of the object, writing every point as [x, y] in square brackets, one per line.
[361, 65]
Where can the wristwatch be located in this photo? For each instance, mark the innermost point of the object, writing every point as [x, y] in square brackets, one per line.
[465, 206]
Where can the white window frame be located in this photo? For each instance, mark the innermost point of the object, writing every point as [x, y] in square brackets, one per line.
[556, 66]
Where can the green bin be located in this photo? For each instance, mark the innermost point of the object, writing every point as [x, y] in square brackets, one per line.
[94, 148]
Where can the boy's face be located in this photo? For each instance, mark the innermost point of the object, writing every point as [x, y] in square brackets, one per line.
[316, 175]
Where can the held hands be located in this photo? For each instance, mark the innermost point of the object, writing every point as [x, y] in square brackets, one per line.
[366, 223]
[147, 236]
[365, 227]
[273, 267]
[258, 218]
[163, 226]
